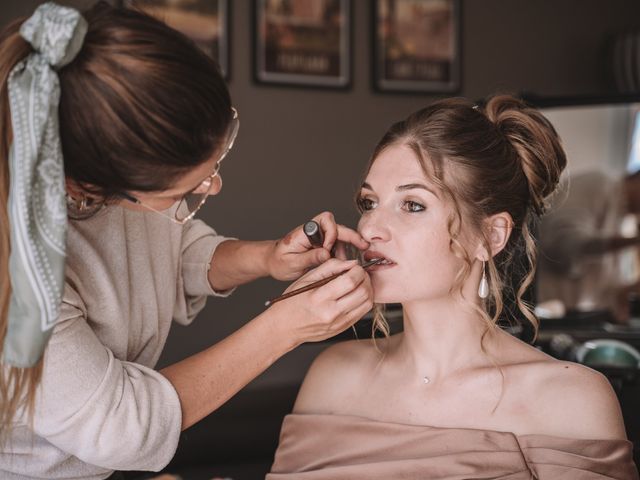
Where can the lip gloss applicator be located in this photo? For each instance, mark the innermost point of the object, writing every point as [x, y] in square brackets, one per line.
[318, 283]
[314, 233]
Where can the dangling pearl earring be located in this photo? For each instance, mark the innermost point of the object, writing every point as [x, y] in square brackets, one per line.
[483, 288]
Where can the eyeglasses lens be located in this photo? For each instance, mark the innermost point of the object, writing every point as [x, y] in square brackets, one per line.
[191, 202]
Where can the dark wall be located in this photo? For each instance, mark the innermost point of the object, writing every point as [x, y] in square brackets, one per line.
[301, 151]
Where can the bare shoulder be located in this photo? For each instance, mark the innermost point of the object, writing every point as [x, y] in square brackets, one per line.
[571, 400]
[335, 376]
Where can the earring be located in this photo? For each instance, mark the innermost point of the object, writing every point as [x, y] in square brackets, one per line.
[79, 204]
[483, 288]
[83, 207]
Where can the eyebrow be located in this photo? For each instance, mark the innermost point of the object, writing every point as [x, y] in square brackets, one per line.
[402, 188]
[412, 186]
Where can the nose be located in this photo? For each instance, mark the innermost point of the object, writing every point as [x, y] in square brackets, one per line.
[373, 228]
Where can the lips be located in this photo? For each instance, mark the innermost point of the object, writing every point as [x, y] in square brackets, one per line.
[370, 255]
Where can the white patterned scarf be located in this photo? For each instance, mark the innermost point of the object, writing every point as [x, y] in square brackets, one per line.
[37, 208]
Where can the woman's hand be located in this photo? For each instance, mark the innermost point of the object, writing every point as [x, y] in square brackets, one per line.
[328, 310]
[294, 255]
[206, 380]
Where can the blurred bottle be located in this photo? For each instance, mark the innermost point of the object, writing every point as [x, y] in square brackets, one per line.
[563, 347]
[634, 310]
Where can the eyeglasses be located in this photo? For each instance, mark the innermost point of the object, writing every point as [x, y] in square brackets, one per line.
[193, 200]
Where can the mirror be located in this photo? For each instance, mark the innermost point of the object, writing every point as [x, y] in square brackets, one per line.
[588, 258]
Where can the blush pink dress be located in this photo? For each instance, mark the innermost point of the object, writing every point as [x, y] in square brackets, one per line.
[341, 447]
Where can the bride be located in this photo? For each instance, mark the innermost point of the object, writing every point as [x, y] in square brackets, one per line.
[448, 198]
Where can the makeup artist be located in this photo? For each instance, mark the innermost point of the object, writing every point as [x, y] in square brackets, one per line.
[100, 253]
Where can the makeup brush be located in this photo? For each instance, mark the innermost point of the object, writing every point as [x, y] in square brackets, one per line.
[317, 284]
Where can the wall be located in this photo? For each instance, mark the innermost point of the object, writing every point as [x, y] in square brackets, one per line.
[301, 151]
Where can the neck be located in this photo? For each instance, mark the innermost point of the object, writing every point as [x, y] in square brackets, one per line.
[442, 336]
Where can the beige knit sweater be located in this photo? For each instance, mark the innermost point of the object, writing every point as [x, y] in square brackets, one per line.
[101, 406]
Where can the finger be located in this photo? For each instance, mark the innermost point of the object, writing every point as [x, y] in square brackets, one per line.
[327, 223]
[299, 239]
[340, 251]
[343, 285]
[350, 318]
[328, 268]
[312, 258]
[348, 235]
[362, 293]
[356, 314]
[355, 297]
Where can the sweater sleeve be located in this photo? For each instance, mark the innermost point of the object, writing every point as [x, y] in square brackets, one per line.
[110, 413]
[199, 243]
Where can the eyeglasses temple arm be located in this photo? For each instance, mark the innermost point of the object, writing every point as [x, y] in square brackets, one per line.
[131, 198]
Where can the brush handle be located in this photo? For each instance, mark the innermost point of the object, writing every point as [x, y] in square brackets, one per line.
[317, 284]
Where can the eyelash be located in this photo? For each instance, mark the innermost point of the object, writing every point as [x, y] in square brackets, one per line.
[364, 205]
[421, 207]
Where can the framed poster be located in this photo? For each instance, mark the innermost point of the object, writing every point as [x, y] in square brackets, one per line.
[303, 42]
[206, 22]
[416, 45]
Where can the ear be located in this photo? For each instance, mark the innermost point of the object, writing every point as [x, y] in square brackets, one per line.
[498, 229]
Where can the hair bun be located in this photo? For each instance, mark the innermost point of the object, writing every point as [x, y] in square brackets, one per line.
[535, 142]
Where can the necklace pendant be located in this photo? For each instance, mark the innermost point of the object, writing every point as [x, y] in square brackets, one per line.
[426, 380]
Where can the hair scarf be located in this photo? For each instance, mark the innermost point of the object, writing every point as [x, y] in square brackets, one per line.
[36, 204]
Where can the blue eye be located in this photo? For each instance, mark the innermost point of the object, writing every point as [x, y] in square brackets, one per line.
[412, 206]
[365, 204]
